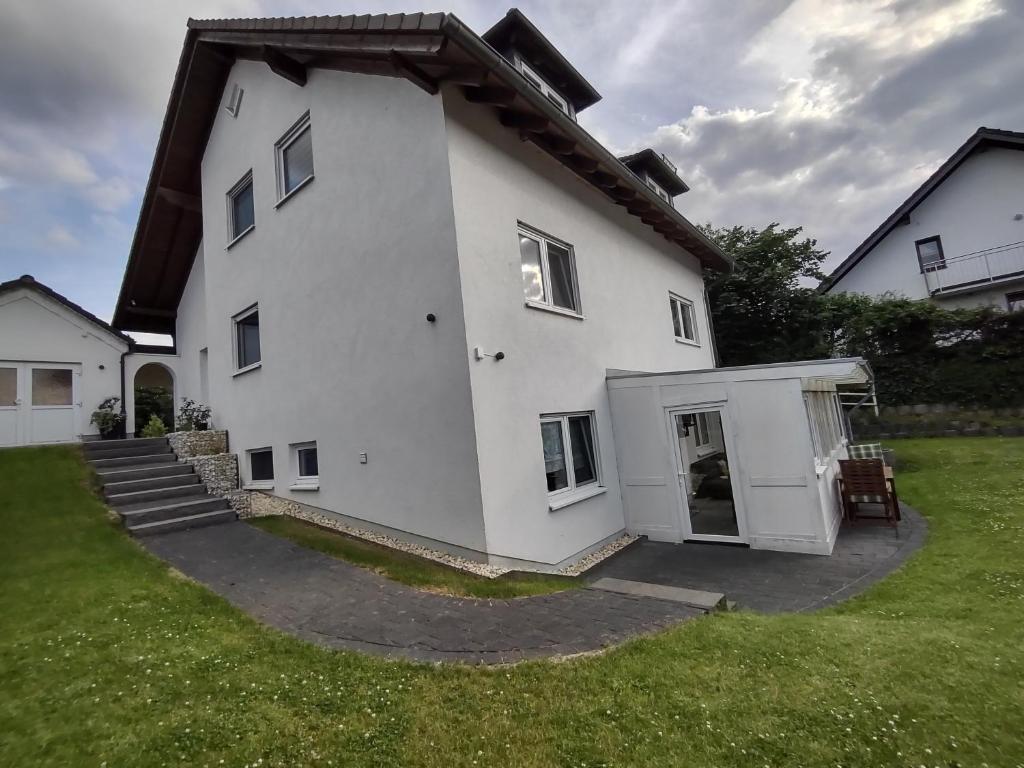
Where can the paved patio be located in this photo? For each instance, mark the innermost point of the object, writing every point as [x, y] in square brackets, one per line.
[775, 582]
[329, 602]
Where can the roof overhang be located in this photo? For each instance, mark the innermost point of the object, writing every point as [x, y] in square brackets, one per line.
[982, 139]
[427, 50]
[657, 167]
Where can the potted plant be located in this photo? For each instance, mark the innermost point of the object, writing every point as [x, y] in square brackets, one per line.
[109, 419]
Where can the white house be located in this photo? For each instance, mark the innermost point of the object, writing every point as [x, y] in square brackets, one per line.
[399, 271]
[958, 240]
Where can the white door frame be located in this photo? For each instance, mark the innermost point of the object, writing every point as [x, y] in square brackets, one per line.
[682, 497]
[13, 413]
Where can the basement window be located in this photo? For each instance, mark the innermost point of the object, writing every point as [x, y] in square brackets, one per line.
[294, 159]
[306, 467]
[261, 469]
[684, 319]
[549, 273]
[241, 209]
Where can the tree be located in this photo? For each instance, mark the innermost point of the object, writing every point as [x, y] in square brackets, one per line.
[762, 314]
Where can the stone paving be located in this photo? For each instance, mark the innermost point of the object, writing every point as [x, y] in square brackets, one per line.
[327, 601]
[776, 582]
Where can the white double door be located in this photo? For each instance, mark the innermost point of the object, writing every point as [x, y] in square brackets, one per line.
[39, 403]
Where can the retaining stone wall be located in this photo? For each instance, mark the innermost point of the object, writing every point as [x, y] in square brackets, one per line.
[198, 443]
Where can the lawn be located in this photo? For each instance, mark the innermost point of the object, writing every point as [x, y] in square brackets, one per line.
[107, 657]
[410, 569]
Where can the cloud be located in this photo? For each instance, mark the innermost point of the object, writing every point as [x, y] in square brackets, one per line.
[59, 237]
[111, 194]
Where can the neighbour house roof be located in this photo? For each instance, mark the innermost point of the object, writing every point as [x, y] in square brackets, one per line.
[30, 283]
[981, 140]
[427, 50]
[516, 34]
[658, 168]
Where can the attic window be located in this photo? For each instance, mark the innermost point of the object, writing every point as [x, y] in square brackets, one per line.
[541, 85]
[235, 102]
[658, 190]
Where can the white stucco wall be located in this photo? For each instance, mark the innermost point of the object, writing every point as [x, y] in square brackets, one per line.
[35, 328]
[972, 210]
[190, 335]
[345, 272]
[553, 363]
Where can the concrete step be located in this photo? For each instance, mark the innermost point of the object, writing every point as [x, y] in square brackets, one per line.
[146, 472]
[132, 461]
[181, 523]
[695, 598]
[129, 450]
[153, 511]
[149, 484]
[153, 495]
[98, 446]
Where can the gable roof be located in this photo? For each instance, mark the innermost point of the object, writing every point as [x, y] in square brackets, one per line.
[983, 138]
[30, 283]
[515, 32]
[659, 168]
[427, 50]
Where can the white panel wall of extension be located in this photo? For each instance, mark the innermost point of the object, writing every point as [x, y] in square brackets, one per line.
[344, 273]
[190, 335]
[34, 328]
[553, 363]
[972, 210]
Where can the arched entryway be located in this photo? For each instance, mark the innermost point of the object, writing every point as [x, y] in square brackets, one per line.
[153, 389]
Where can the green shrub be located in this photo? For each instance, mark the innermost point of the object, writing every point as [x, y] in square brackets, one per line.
[154, 427]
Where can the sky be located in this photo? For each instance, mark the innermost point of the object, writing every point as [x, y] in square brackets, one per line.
[824, 114]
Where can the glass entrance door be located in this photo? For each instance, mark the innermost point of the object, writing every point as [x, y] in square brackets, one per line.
[705, 480]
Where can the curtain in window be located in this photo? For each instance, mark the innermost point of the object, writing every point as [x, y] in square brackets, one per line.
[563, 292]
[554, 455]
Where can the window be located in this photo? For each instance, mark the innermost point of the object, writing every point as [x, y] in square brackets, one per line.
[684, 319]
[261, 468]
[825, 416]
[51, 386]
[234, 105]
[701, 433]
[929, 254]
[306, 467]
[247, 339]
[1015, 301]
[549, 272]
[658, 190]
[570, 453]
[8, 387]
[538, 82]
[241, 213]
[294, 158]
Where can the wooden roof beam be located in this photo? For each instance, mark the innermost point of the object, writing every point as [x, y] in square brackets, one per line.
[188, 202]
[283, 65]
[526, 121]
[413, 73]
[583, 163]
[490, 94]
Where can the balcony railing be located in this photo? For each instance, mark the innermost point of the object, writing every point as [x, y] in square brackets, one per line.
[975, 270]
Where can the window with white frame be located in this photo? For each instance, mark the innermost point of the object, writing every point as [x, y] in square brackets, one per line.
[261, 468]
[684, 319]
[549, 272]
[701, 432]
[541, 85]
[306, 466]
[825, 415]
[247, 338]
[294, 158]
[570, 451]
[659, 190]
[241, 208]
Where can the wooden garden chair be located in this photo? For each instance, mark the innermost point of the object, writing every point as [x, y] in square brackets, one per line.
[863, 481]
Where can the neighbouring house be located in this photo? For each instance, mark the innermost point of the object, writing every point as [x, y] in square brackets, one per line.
[58, 363]
[958, 240]
[422, 298]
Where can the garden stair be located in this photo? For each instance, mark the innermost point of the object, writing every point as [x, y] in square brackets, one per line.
[151, 490]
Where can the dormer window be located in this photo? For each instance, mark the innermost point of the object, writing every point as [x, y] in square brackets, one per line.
[659, 190]
[541, 85]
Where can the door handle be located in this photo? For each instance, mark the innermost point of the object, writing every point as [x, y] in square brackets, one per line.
[17, 401]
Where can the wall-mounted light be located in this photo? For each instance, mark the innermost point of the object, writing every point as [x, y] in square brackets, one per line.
[431, 317]
[480, 354]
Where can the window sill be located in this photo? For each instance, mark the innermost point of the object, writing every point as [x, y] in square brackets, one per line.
[554, 310]
[687, 342]
[313, 486]
[258, 485]
[569, 499]
[239, 236]
[301, 185]
[247, 368]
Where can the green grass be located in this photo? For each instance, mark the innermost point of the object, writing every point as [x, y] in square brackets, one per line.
[409, 569]
[107, 657]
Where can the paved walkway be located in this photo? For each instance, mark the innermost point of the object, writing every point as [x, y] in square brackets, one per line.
[327, 601]
[775, 582]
